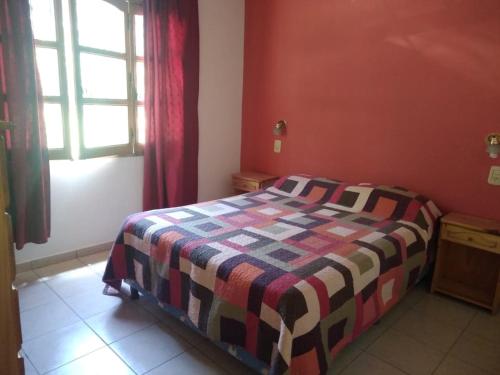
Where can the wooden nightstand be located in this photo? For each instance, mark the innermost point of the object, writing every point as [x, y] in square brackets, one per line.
[468, 260]
[251, 181]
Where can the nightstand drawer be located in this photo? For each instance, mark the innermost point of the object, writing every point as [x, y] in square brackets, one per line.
[469, 237]
[245, 185]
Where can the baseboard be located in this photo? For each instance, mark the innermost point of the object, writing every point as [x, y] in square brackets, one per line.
[58, 258]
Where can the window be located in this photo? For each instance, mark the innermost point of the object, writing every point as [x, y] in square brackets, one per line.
[101, 42]
[49, 48]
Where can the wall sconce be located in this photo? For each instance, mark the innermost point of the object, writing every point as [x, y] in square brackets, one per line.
[280, 128]
[493, 145]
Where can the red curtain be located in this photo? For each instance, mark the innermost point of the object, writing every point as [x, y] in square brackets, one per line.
[27, 146]
[171, 103]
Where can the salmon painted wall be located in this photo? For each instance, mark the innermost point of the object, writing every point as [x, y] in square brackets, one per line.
[391, 92]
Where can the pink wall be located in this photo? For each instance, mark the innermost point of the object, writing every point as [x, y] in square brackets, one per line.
[391, 92]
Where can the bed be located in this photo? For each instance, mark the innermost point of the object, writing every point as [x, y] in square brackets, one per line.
[283, 278]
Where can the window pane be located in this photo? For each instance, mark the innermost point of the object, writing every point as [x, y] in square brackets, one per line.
[43, 20]
[139, 35]
[48, 69]
[105, 125]
[139, 67]
[53, 125]
[101, 25]
[103, 77]
[141, 125]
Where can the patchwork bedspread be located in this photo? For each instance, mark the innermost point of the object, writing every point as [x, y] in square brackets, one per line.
[292, 273]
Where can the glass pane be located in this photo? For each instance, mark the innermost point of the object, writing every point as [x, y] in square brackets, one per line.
[141, 125]
[139, 35]
[105, 125]
[53, 125]
[139, 67]
[103, 77]
[101, 25]
[43, 20]
[48, 69]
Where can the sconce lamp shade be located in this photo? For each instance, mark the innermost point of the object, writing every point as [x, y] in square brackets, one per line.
[493, 145]
[280, 128]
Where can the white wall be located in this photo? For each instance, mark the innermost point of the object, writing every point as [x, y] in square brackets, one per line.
[90, 198]
[222, 24]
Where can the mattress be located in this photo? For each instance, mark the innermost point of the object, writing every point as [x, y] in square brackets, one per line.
[290, 274]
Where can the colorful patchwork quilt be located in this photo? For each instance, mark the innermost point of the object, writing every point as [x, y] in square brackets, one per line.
[291, 274]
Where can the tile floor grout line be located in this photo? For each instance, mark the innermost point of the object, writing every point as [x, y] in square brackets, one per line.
[192, 346]
[161, 364]
[462, 331]
[438, 319]
[26, 356]
[143, 329]
[81, 320]
[44, 279]
[423, 342]
[212, 361]
[105, 345]
[122, 297]
[351, 361]
[67, 363]
[386, 362]
[382, 359]
[169, 327]
[121, 338]
[37, 306]
[443, 352]
[63, 299]
[69, 325]
[462, 334]
[52, 330]
[389, 327]
[493, 342]
[121, 359]
[385, 329]
[362, 350]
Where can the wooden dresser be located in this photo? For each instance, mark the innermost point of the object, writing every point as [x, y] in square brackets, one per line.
[468, 260]
[11, 361]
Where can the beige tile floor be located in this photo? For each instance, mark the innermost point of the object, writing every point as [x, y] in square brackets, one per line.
[70, 327]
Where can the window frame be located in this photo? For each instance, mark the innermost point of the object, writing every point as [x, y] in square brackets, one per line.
[136, 8]
[129, 8]
[63, 98]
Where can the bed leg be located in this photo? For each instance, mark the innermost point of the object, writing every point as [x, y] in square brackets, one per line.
[134, 293]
